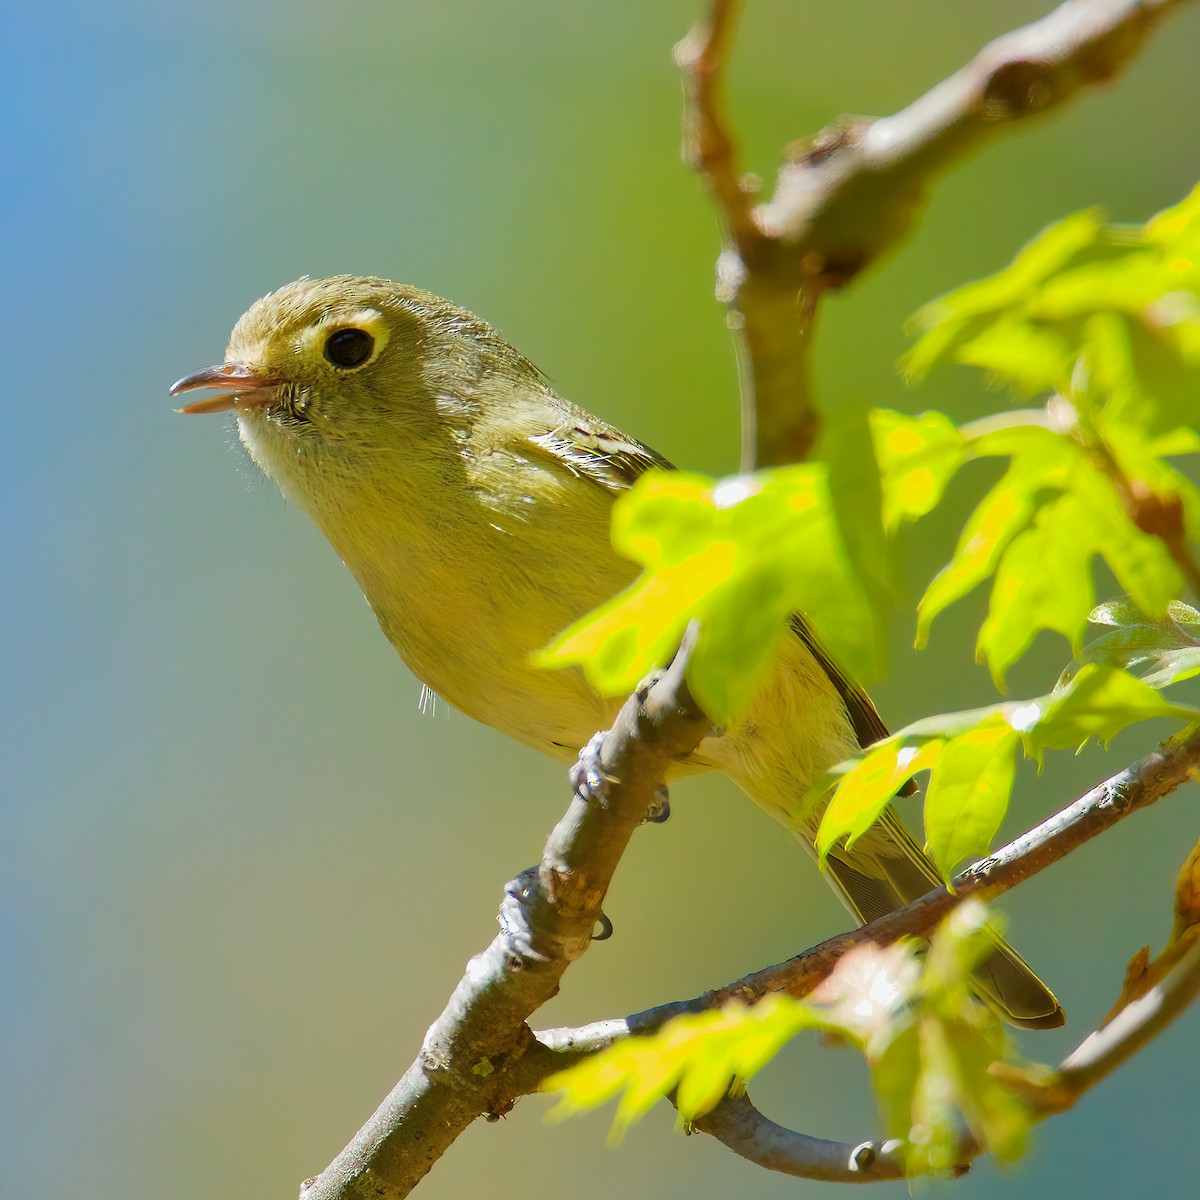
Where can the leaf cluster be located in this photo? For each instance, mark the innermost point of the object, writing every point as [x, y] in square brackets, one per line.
[1105, 321]
[1101, 323]
[929, 1045]
[971, 757]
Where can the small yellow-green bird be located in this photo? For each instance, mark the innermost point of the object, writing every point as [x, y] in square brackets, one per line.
[472, 504]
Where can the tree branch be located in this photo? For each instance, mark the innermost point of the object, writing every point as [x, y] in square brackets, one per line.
[739, 1126]
[1136, 787]
[1098, 1055]
[850, 194]
[546, 922]
[479, 1057]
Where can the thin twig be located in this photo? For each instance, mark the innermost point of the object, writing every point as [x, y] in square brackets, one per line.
[740, 1127]
[708, 144]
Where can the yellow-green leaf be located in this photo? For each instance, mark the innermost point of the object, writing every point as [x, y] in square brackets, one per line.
[868, 786]
[1099, 701]
[737, 555]
[999, 517]
[1043, 581]
[968, 795]
[917, 456]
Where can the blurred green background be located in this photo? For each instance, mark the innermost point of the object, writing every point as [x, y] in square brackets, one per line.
[241, 871]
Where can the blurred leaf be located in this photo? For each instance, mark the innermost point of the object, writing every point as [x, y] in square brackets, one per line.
[962, 316]
[700, 1056]
[929, 1044]
[856, 497]
[855, 488]
[964, 939]
[740, 555]
[868, 986]
[866, 786]
[931, 1066]
[917, 456]
[895, 1062]
[1165, 651]
[1029, 358]
[1177, 228]
[968, 795]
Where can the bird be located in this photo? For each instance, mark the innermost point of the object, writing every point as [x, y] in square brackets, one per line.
[472, 502]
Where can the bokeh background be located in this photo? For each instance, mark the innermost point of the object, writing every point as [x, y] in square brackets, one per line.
[241, 872]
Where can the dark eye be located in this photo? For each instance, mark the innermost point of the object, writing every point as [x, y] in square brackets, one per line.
[349, 347]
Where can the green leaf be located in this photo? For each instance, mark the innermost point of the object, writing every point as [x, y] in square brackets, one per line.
[1029, 357]
[931, 1067]
[1044, 581]
[896, 1067]
[917, 456]
[1141, 563]
[855, 488]
[866, 786]
[1177, 228]
[968, 795]
[998, 518]
[928, 1042]
[739, 556]
[1038, 530]
[1159, 652]
[962, 316]
[1099, 701]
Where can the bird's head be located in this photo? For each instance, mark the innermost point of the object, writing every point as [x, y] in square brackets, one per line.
[341, 373]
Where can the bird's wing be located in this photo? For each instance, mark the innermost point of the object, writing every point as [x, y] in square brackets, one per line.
[868, 724]
[593, 450]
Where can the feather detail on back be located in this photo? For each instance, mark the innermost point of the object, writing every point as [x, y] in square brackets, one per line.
[591, 449]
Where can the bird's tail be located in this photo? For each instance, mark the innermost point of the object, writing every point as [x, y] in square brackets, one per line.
[886, 869]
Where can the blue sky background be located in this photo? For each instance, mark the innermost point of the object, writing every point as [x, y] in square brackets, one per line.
[239, 872]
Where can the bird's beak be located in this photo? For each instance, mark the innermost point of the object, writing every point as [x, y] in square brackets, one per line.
[249, 389]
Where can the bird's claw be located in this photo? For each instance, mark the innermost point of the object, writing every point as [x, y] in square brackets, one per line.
[587, 774]
[660, 807]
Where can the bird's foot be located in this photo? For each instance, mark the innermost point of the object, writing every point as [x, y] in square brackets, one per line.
[587, 774]
[660, 807]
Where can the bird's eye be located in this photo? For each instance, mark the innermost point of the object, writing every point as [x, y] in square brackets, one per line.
[349, 347]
